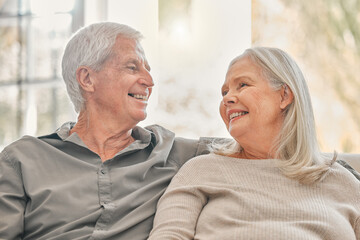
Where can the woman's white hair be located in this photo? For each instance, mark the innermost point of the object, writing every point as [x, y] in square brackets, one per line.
[91, 46]
[296, 147]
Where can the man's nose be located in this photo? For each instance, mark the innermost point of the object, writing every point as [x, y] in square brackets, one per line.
[146, 79]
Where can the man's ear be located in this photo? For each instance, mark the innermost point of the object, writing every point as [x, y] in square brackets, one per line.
[83, 76]
[287, 96]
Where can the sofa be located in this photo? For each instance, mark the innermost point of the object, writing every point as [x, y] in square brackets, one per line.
[353, 159]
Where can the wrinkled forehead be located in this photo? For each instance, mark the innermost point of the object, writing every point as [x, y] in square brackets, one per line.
[127, 44]
[235, 66]
[141, 54]
[125, 47]
[139, 50]
[243, 64]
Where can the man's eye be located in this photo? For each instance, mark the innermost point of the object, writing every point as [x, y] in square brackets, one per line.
[132, 68]
[223, 93]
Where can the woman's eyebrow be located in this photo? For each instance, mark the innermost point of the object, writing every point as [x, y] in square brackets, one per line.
[243, 78]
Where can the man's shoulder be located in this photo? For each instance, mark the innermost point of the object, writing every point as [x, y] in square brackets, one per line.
[156, 128]
[199, 145]
[22, 142]
[28, 145]
[22, 146]
[182, 148]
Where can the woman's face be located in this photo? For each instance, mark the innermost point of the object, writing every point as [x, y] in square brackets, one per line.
[251, 109]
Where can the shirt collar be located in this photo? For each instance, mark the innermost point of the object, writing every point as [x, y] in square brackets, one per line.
[64, 131]
[142, 136]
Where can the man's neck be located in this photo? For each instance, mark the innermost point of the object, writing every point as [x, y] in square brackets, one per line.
[105, 138]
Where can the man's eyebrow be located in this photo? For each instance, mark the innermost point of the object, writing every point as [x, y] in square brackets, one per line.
[132, 60]
[147, 66]
[137, 62]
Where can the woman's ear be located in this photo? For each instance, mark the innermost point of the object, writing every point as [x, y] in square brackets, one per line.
[287, 96]
[83, 76]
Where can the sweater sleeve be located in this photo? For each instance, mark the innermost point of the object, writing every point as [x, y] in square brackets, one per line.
[357, 228]
[178, 209]
[12, 199]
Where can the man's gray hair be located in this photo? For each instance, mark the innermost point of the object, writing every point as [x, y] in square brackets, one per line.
[91, 46]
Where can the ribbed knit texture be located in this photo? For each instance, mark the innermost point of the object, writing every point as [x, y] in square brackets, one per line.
[217, 197]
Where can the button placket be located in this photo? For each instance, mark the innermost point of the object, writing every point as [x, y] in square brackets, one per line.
[104, 184]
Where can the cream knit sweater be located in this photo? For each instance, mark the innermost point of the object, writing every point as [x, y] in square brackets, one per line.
[223, 198]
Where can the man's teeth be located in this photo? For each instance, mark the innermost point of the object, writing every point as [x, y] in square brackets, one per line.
[236, 114]
[138, 96]
[143, 97]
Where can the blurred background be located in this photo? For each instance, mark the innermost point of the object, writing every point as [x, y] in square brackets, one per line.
[189, 44]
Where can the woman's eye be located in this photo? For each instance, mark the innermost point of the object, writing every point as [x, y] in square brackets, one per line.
[223, 93]
[241, 85]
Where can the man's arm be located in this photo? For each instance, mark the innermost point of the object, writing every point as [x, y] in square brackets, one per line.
[12, 199]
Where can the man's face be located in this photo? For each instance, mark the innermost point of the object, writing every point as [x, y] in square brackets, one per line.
[124, 84]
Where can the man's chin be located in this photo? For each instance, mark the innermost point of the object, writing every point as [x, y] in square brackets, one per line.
[141, 117]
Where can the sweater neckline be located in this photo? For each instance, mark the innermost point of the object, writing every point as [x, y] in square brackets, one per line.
[263, 162]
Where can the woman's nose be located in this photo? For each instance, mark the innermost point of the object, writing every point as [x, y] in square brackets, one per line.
[229, 98]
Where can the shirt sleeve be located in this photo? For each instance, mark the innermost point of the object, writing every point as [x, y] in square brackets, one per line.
[12, 199]
[178, 211]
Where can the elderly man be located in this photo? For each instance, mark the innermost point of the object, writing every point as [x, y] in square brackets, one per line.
[101, 177]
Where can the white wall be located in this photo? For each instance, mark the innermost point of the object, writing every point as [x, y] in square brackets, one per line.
[188, 66]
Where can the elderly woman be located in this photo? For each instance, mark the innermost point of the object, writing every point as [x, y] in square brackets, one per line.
[272, 182]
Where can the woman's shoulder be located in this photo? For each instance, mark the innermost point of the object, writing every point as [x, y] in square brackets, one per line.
[201, 167]
[204, 160]
[338, 175]
[338, 170]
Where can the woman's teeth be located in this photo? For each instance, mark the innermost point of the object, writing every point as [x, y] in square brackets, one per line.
[236, 114]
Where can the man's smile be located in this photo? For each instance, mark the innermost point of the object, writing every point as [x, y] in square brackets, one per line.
[139, 96]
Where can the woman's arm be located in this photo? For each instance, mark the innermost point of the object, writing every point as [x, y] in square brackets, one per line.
[178, 209]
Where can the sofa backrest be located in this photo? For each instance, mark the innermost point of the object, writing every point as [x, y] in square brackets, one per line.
[353, 159]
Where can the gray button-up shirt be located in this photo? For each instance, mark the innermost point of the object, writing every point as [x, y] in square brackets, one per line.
[54, 187]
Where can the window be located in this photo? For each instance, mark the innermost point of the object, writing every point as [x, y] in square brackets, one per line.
[32, 33]
[189, 44]
[324, 38]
